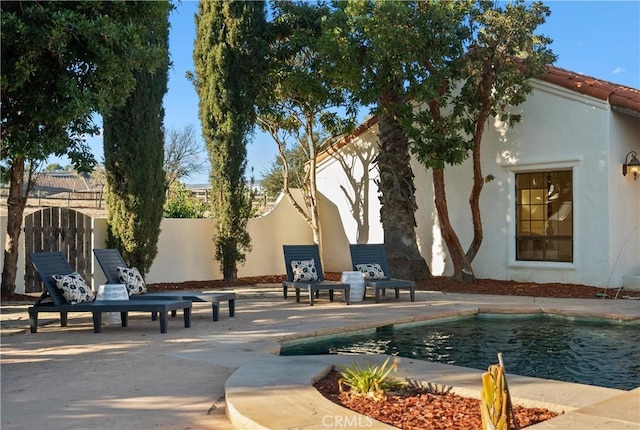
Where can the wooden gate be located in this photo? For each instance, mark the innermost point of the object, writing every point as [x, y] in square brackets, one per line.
[57, 229]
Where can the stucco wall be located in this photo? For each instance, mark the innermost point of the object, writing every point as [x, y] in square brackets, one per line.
[283, 225]
[186, 250]
[559, 129]
[349, 209]
[185, 246]
[624, 223]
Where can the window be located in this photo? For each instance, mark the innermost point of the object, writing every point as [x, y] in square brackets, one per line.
[544, 216]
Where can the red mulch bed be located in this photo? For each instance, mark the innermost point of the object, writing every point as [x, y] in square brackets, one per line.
[418, 409]
[438, 283]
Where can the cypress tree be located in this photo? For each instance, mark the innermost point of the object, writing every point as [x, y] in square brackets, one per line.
[134, 153]
[229, 60]
[60, 62]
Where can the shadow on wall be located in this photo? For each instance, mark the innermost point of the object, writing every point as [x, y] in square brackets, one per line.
[356, 165]
[282, 225]
[335, 243]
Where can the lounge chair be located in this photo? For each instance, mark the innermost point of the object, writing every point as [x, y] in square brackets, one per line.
[48, 264]
[110, 259]
[372, 259]
[313, 283]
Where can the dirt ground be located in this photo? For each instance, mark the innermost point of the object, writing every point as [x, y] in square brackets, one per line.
[438, 283]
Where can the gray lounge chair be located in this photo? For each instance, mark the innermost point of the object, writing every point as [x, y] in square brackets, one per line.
[306, 253]
[48, 264]
[110, 259]
[376, 254]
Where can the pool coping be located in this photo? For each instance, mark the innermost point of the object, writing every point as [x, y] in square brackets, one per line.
[256, 390]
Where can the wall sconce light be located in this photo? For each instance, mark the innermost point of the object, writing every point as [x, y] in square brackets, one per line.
[632, 166]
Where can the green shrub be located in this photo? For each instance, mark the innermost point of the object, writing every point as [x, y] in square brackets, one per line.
[181, 203]
[373, 381]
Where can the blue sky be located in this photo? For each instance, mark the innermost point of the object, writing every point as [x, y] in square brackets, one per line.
[595, 38]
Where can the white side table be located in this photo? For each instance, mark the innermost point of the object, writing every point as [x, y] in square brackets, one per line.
[112, 292]
[356, 281]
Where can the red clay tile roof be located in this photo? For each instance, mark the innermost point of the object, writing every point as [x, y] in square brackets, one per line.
[620, 96]
[342, 142]
[617, 95]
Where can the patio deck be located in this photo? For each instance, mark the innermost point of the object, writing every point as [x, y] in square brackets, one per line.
[134, 377]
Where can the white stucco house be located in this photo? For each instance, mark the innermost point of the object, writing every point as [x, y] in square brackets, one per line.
[559, 208]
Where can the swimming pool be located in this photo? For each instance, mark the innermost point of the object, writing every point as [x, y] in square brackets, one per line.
[587, 351]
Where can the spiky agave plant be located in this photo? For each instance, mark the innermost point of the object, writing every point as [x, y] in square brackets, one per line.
[372, 381]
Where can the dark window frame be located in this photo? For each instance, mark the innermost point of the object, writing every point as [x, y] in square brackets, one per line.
[544, 230]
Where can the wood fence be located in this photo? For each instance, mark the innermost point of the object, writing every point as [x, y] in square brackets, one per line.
[57, 229]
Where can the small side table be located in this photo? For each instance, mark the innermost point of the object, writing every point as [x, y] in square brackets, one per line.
[356, 281]
[112, 292]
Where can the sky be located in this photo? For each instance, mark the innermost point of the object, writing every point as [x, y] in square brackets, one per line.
[595, 38]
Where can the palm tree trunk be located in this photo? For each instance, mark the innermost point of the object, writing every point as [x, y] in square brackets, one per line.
[398, 205]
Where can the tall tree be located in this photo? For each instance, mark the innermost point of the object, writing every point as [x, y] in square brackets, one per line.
[299, 107]
[61, 61]
[373, 57]
[134, 153]
[182, 151]
[273, 178]
[229, 56]
[485, 73]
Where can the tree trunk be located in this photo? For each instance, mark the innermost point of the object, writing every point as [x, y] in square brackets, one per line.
[462, 269]
[16, 203]
[398, 205]
[230, 269]
[478, 183]
[314, 203]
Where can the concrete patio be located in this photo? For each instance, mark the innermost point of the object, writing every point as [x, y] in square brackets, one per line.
[138, 378]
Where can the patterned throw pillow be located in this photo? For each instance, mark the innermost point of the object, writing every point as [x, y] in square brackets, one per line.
[371, 271]
[304, 270]
[74, 289]
[132, 279]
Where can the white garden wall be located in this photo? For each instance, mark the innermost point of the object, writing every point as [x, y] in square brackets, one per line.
[186, 250]
[185, 246]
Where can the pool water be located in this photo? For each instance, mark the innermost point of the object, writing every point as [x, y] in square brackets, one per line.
[587, 351]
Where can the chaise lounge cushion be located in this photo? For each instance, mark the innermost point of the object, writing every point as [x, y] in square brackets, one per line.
[132, 279]
[371, 271]
[304, 270]
[73, 288]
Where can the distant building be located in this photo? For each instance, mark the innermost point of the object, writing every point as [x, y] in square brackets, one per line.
[52, 183]
[62, 189]
[203, 191]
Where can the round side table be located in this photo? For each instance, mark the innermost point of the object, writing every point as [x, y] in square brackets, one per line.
[112, 292]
